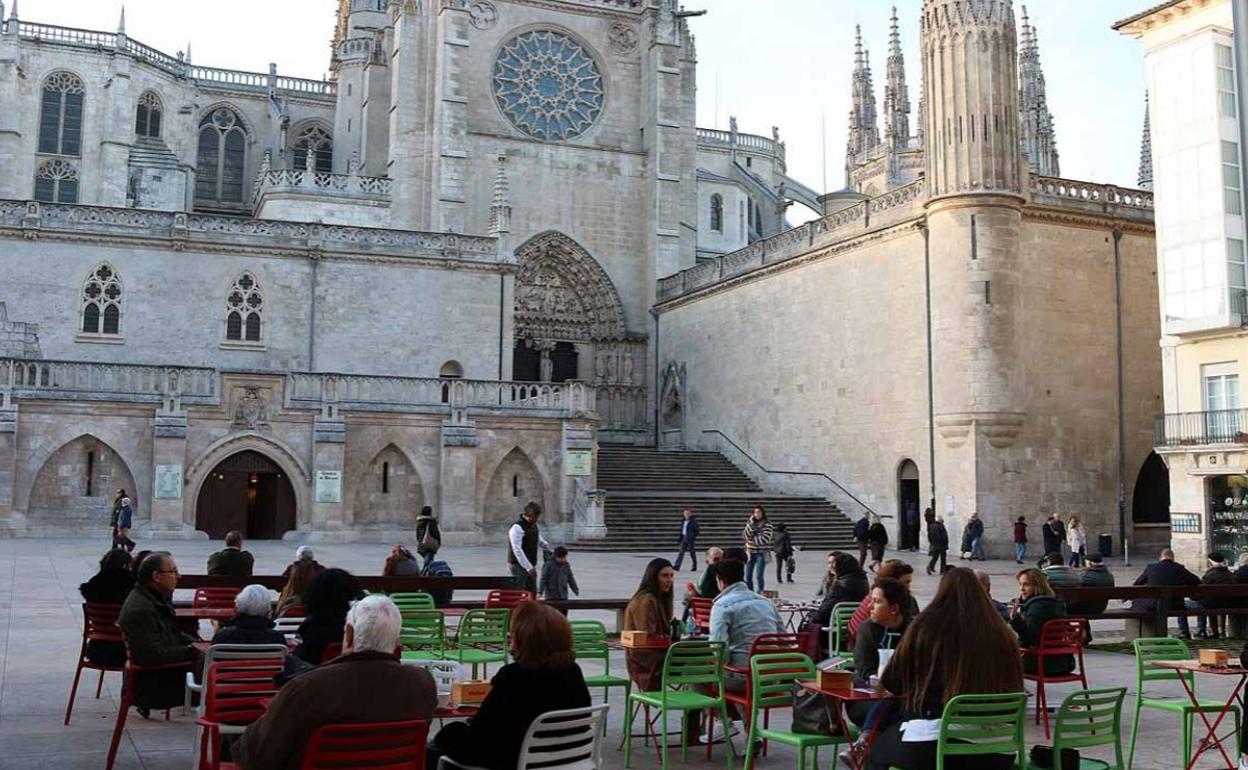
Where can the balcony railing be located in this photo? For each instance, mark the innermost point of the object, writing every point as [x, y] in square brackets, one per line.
[1222, 426]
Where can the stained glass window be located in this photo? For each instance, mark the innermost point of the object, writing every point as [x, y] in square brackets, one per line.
[243, 307]
[547, 85]
[101, 302]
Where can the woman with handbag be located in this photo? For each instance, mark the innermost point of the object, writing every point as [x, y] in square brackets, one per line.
[428, 536]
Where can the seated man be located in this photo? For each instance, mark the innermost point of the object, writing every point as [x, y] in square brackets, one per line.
[738, 617]
[1058, 574]
[707, 588]
[366, 684]
[1095, 575]
[1166, 572]
[151, 630]
[232, 560]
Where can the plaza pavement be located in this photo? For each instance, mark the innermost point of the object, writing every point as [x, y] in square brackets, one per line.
[40, 627]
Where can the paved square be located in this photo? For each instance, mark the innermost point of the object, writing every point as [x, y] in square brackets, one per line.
[40, 626]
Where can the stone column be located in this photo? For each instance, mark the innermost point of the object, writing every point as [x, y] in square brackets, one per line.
[15, 183]
[116, 117]
[457, 475]
[8, 459]
[413, 141]
[579, 503]
[328, 451]
[168, 460]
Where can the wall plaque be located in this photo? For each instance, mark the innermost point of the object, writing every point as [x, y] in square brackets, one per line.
[578, 462]
[329, 486]
[168, 482]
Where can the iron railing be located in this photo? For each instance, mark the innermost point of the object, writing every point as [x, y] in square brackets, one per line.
[1221, 426]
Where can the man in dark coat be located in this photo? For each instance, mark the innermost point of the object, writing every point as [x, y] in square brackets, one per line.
[1054, 535]
[861, 528]
[232, 560]
[937, 544]
[1166, 572]
[367, 683]
[151, 630]
[1095, 575]
[688, 540]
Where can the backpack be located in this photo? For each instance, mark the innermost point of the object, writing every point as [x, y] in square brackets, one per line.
[860, 529]
[439, 569]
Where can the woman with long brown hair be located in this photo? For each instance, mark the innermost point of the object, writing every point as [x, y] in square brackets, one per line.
[650, 610]
[302, 573]
[958, 645]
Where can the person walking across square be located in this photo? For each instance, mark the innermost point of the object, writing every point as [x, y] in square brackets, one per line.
[783, 549]
[688, 540]
[937, 544]
[1020, 539]
[758, 535]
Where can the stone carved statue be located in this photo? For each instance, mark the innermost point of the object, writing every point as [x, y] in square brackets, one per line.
[252, 411]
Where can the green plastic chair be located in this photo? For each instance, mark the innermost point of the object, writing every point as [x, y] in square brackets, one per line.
[982, 724]
[1165, 648]
[589, 641]
[412, 600]
[482, 639]
[1091, 718]
[688, 664]
[839, 627]
[771, 686]
[423, 635]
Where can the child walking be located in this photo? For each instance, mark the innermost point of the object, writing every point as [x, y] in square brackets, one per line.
[783, 548]
[557, 578]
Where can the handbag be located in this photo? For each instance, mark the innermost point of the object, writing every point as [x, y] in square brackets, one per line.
[429, 542]
[810, 713]
[1042, 758]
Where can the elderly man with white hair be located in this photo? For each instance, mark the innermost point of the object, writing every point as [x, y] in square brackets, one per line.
[303, 554]
[367, 683]
[251, 624]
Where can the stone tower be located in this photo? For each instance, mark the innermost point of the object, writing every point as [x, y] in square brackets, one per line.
[896, 94]
[864, 128]
[975, 189]
[1039, 135]
[1145, 179]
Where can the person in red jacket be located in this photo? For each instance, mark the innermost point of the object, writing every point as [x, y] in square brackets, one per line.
[1020, 539]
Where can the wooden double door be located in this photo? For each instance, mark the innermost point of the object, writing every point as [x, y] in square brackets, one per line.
[247, 492]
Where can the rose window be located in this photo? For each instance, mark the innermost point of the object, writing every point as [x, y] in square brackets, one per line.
[547, 85]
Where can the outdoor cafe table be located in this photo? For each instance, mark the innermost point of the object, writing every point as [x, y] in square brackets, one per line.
[1211, 738]
[840, 700]
[656, 644]
[205, 613]
[794, 611]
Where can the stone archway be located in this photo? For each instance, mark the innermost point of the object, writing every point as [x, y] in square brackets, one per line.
[515, 483]
[568, 314]
[247, 492]
[908, 504]
[389, 493]
[75, 487]
[278, 453]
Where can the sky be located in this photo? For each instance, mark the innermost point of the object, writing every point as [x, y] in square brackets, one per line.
[784, 63]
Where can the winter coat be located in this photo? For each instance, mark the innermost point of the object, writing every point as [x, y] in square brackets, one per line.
[1076, 539]
[400, 565]
[125, 514]
[316, 632]
[689, 531]
[108, 587]
[848, 588]
[151, 629]
[1094, 576]
[937, 538]
[877, 534]
[783, 547]
[645, 667]
[1217, 576]
[1020, 532]
[1166, 572]
[1029, 621]
[1054, 533]
[234, 562]
[860, 529]
[249, 629]
[427, 524]
[556, 579]
[758, 536]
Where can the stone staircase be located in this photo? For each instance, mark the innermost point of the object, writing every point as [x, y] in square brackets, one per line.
[648, 488]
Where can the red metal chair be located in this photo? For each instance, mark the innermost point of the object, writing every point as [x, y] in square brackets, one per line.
[388, 745]
[700, 611]
[332, 650]
[214, 598]
[765, 644]
[1063, 636]
[127, 698]
[233, 691]
[99, 624]
[506, 599]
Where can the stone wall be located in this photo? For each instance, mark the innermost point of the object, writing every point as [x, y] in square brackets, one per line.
[18, 339]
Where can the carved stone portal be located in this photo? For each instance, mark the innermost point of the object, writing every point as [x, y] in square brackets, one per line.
[251, 408]
[562, 293]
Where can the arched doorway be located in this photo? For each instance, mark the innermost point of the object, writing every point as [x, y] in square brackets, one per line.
[567, 313]
[908, 504]
[1150, 500]
[248, 492]
[516, 482]
[75, 487]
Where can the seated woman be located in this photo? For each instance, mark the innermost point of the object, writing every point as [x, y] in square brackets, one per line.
[400, 562]
[1035, 606]
[650, 610]
[300, 577]
[890, 614]
[958, 645]
[111, 585]
[891, 568]
[850, 584]
[251, 625]
[329, 598]
[543, 678]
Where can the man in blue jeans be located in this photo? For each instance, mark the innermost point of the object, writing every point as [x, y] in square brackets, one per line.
[688, 540]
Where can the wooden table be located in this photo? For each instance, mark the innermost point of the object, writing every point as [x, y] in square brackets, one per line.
[1211, 737]
[858, 752]
[205, 613]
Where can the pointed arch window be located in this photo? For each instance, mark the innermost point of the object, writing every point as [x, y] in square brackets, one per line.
[717, 213]
[101, 303]
[56, 181]
[148, 114]
[320, 143]
[244, 308]
[222, 159]
[60, 115]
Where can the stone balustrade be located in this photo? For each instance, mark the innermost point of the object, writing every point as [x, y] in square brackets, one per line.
[1096, 197]
[84, 380]
[713, 137]
[622, 407]
[34, 219]
[322, 184]
[209, 78]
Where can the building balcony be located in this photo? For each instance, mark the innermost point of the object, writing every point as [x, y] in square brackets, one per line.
[1201, 429]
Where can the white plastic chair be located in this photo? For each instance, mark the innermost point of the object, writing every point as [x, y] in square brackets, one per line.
[287, 626]
[225, 652]
[557, 740]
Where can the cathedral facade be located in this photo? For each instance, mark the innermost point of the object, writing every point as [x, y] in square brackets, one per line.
[318, 305]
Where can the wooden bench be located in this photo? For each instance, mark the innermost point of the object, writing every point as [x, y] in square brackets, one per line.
[1152, 621]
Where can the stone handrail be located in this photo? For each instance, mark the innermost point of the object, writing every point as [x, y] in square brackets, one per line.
[179, 67]
[32, 218]
[89, 380]
[714, 137]
[387, 393]
[623, 407]
[1099, 196]
[290, 180]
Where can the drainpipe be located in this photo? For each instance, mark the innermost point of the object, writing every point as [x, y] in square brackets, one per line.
[1122, 430]
[931, 398]
[1239, 9]
[502, 323]
[657, 394]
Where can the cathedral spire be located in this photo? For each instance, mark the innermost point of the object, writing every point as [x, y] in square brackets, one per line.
[1039, 136]
[500, 206]
[121, 23]
[896, 94]
[1146, 150]
[864, 130]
